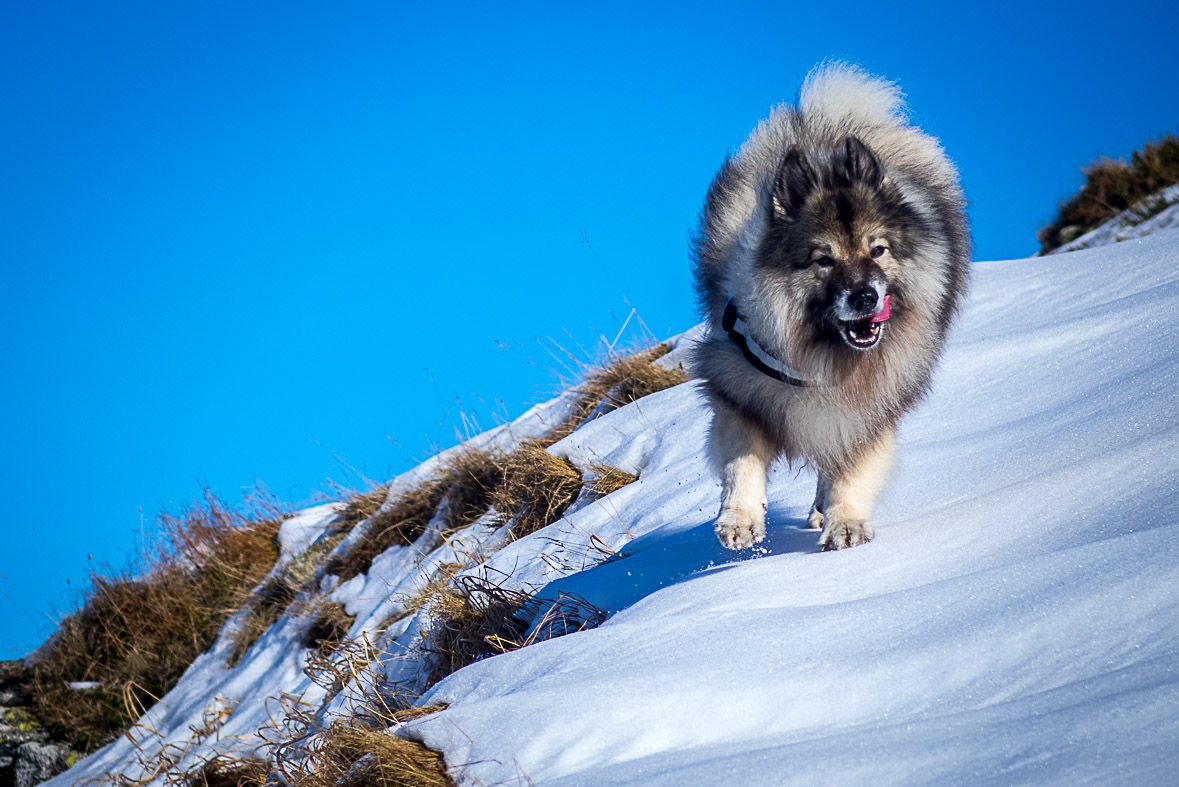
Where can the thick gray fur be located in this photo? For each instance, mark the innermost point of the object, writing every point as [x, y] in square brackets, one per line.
[831, 198]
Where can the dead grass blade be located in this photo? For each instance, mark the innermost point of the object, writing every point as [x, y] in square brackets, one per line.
[225, 770]
[329, 626]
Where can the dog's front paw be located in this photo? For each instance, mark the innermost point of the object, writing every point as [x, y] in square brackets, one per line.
[845, 533]
[815, 520]
[738, 529]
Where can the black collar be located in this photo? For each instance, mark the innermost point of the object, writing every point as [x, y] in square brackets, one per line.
[755, 354]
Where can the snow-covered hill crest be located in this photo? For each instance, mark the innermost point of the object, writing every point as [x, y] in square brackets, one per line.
[1016, 619]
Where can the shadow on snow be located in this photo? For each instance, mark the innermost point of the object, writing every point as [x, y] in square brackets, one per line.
[657, 560]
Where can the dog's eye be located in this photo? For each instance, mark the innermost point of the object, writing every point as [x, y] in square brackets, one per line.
[824, 261]
[878, 252]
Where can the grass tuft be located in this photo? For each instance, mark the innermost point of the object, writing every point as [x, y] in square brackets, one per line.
[360, 506]
[464, 483]
[137, 633]
[1112, 186]
[351, 755]
[536, 488]
[277, 594]
[358, 748]
[617, 383]
[330, 623]
[226, 770]
[474, 619]
[608, 480]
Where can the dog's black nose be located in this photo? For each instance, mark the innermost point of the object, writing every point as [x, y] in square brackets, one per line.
[863, 301]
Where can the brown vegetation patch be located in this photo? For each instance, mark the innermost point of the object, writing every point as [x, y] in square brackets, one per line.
[465, 483]
[358, 749]
[1112, 186]
[225, 770]
[348, 754]
[608, 480]
[136, 634]
[360, 506]
[536, 488]
[349, 661]
[617, 383]
[277, 594]
[330, 623]
[474, 619]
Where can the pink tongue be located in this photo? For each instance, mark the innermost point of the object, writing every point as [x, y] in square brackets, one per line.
[881, 315]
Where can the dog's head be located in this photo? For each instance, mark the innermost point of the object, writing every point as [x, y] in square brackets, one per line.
[836, 244]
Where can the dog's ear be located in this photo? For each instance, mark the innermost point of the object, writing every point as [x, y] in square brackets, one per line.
[859, 164]
[794, 182]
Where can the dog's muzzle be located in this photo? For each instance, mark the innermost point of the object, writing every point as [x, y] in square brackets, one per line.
[863, 332]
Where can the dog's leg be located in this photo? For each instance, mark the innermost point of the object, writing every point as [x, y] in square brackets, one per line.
[742, 454]
[852, 493]
[822, 490]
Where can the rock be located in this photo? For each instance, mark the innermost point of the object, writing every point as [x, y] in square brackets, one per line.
[16, 729]
[37, 762]
[26, 756]
[13, 690]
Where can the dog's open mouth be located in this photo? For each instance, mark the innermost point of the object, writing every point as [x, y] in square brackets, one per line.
[864, 334]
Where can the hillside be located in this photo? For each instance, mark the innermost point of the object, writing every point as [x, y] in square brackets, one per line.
[1016, 619]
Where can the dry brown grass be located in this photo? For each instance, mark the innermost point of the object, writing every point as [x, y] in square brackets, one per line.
[358, 748]
[529, 483]
[616, 383]
[136, 633]
[360, 506]
[608, 480]
[536, 488]
[473, 618]
[330, 623]
[351, 661]
[465, 483]
[347, 754]
[1111, 186]
[277, 594]
[226, 771]
[182, 763]
[469, 622]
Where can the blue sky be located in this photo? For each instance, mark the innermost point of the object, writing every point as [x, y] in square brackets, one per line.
[283, 242]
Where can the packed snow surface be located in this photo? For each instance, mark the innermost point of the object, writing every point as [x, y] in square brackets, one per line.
[1016, 619]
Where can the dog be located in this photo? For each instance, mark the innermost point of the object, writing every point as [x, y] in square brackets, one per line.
[831, 256]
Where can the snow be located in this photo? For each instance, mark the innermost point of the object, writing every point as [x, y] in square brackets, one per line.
[1016, 619]
[299, 532]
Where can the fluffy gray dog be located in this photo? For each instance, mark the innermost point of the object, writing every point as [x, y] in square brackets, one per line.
[831, 256]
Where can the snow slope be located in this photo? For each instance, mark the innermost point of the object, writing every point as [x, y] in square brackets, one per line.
[1016, 619]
